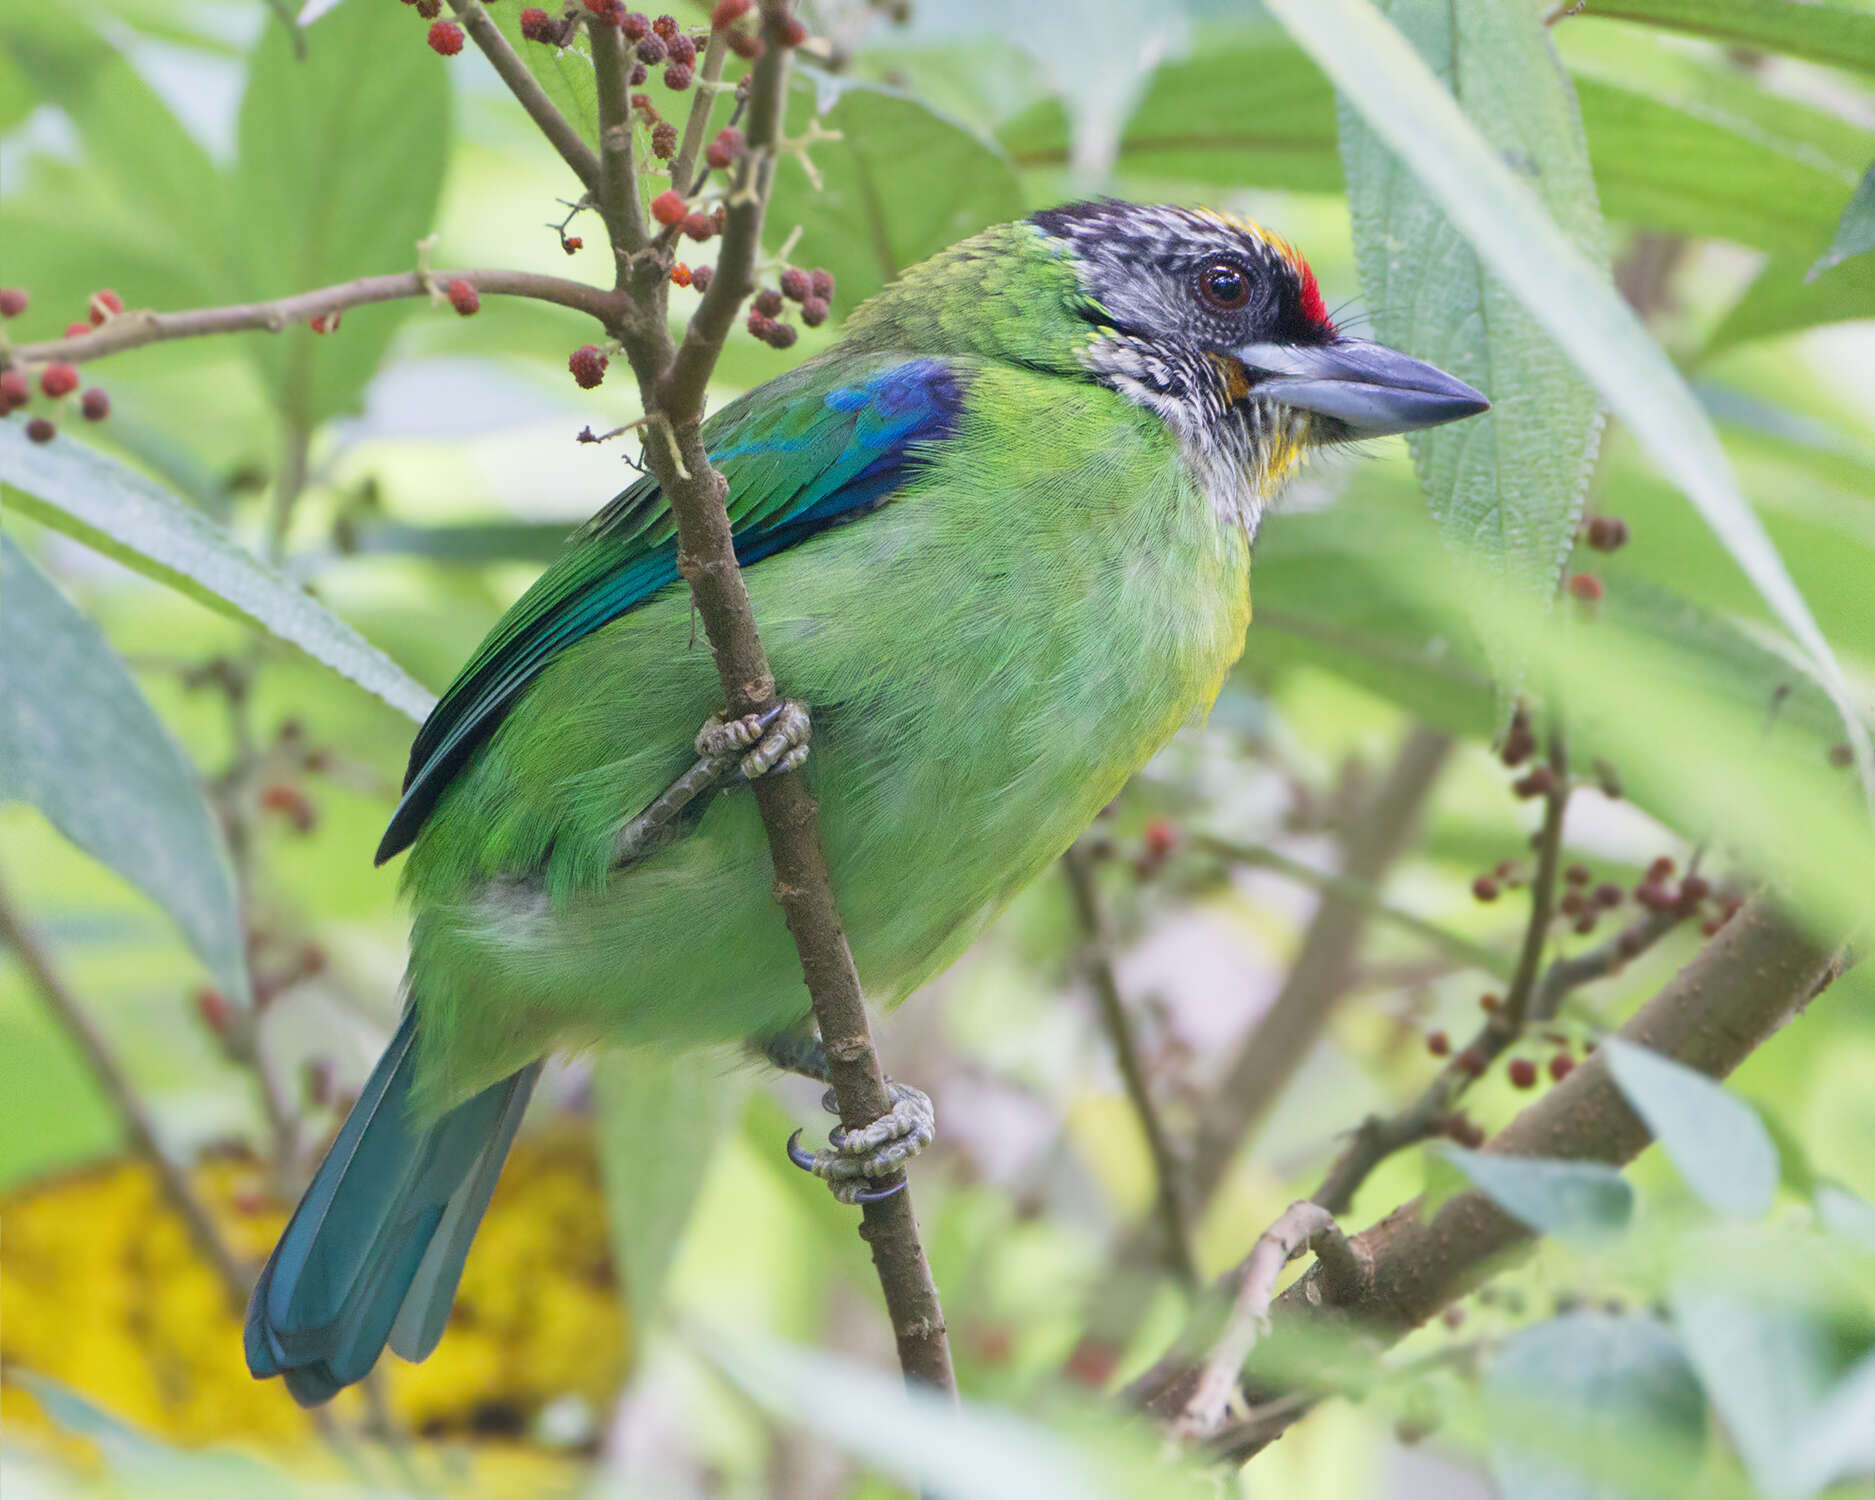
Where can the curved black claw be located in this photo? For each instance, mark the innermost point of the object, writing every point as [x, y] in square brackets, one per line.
[804, 1159]
[855, 1160]
[801, 1158]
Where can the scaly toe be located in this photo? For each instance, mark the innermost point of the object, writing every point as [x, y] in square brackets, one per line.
[784, 746]
[857, 1159]
[720, 736]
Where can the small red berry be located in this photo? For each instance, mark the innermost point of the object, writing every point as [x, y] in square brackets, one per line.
[664, 140]
[1522, 1073]
[14, 391]
[746, 46]
[1585, 924]
[95, 405]
[701, 277]
[1609, 895]
[13, 301]
[1484, 888]
[1841, 756]
[323, 322]
[41, 430]
[1661, 868]
[464, 298]
[699, 227]
[1694, 889]
[572, 242]
[105, 304]
[668, 208]
[634, 23]
[1571, 904]
[1577, 875]
[1561, 1065]
[1471, 1061]
[677, 77]
[1607, 533]
[536, 24]
[680, 49]
[1710, 927]
[814, 312]
[1539, 782]
[759, 323]
[58, 380]
[728, 12]
[1438, 1044]
[680, 274]
[782, 335]
[820, 279]
[1161, 837]
[639, 74]
[767, 302]
[429, 9]
[1631, 942]
[1488, 1002]
[795, 285]
[651, 50]
[213, 1007]
[1586, 587]
[666, 27]
[642, 103]
[77, 330]
[718, 156]
[588, 365]
[793, 32]
[445, 37]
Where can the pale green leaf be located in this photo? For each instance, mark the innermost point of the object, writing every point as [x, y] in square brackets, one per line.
[1802, 28]
[70, 486]
[1715, 1139]
[79, 742]
[1856, 232]
[1612, 1385]
[1782, 298]
[339, 171]
[662, 1115]
[1508, 485]
[1582, 1199]
[1515, 237]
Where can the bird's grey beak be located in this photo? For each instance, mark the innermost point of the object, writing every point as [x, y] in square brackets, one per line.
[1370, 388]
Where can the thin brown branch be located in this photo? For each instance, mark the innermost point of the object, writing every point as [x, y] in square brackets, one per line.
[618, 173]
[1736, 993]
[529, 94]
[1097, 959]
[1276, 1046]
[685, 176]
[115, 1084]
[132, 330]
[1202, 1400]
[673, 386]
[1542, 891]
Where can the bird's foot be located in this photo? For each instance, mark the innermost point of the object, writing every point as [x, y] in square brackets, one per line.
[856, 1160]
[775, 741]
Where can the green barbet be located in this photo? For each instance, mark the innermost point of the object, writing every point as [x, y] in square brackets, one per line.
[998, 543]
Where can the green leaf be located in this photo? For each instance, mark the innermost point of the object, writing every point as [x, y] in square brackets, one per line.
[1776, 1374]
[565, 76]
[69, 486]
[1715, 1139]
[1611, 1389]
[1197, 122]
[661, 1117]
[339, 171]
[79, 742]
[1515, 237]
[872, 217]
[1507, 486]
[961, 1451]
[1822, 33]
[1581, 1199]
[1856, 232]
[1782, 298]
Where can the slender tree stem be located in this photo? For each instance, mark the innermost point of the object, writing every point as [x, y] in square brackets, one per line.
[1097, 950]
[672, 385]
[684, 174]
[618, 174]
[131, 330]
[122, 1095]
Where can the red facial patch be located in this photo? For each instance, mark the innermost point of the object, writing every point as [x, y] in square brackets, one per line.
[1313, 308]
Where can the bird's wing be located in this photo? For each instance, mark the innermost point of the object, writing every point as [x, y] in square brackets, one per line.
[824, 445]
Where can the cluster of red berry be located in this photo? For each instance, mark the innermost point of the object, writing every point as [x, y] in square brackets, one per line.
[58, 380]
[812, 290]
[1603, 534]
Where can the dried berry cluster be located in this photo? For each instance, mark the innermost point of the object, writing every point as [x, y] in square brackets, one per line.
[57, 381]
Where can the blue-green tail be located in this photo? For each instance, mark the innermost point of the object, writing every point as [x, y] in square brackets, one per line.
[373, 1253]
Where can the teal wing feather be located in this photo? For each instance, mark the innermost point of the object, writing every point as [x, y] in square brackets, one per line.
[820, 447]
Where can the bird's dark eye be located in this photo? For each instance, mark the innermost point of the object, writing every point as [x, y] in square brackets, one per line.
[1224, 287]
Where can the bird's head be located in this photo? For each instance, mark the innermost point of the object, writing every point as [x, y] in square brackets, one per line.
[1219, 327]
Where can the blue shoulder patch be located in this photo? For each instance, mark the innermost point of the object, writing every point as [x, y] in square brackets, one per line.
[810, 470]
